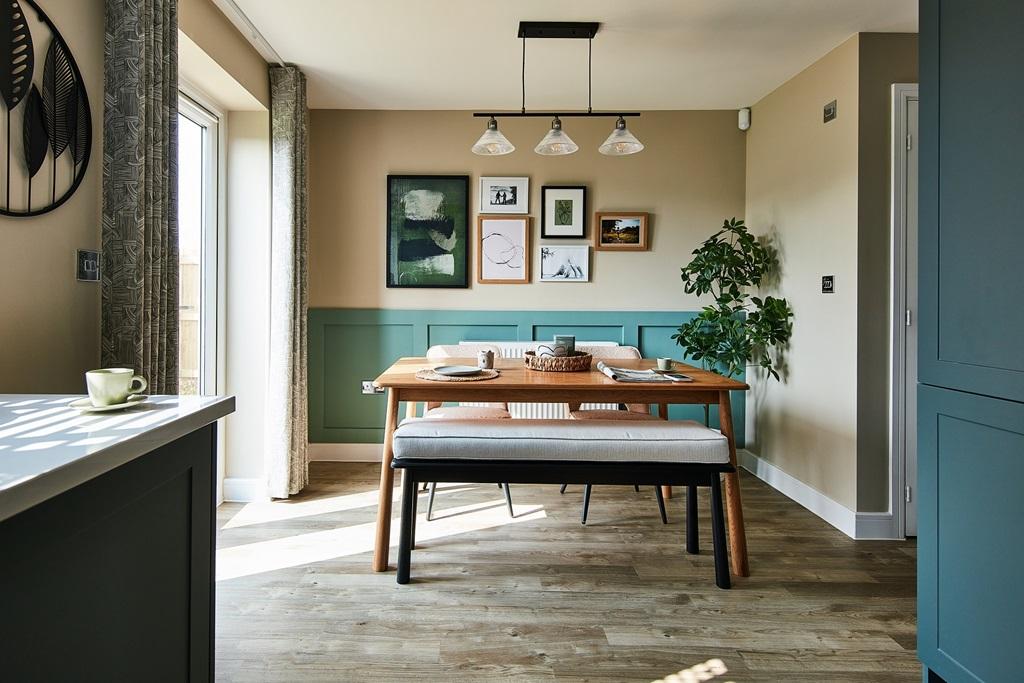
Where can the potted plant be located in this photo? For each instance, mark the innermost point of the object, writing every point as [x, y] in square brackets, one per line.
[737, 328]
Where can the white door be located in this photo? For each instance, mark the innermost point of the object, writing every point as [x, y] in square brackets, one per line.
[910, 376]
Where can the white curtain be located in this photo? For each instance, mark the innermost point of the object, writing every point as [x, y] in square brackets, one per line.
[287, 460]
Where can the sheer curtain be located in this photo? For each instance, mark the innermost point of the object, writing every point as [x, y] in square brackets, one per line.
[139, 286]
[287, 461]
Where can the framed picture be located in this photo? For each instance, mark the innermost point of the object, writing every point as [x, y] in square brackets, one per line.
[564, 264]
[504, 195]
[620, 231]
[428, 231]
[563, 211]
[503, 250]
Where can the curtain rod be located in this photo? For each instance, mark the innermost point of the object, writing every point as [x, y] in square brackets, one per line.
[256, 35]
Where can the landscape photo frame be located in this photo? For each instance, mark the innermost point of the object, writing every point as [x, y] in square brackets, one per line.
[620, 231]
[504, 195]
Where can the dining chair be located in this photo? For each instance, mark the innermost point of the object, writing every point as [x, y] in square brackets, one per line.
[631, 411]
[482, 411]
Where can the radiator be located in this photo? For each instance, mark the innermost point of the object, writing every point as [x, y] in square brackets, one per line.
[539, 411]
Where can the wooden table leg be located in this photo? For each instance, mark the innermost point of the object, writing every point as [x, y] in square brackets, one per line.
[387, 483]
[666, 491]
[737, 531]
[410, 409]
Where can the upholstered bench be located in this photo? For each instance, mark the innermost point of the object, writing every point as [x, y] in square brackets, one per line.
[675, 453]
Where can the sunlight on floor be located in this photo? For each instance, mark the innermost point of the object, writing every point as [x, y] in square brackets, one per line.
[318, 546]
[705, 671]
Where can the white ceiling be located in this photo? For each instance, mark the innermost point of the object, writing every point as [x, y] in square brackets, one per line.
[649, 54]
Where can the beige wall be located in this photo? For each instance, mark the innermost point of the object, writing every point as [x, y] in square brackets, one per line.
[49, 322]
[206, 25]
[690, 177]
[885, 58]
[802, 188]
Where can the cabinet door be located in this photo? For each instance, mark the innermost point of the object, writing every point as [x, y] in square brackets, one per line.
[971, 516]
[972, 196]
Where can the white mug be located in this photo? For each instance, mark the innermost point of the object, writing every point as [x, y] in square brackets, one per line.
[112, 386]
[485, 359]
[664, 363]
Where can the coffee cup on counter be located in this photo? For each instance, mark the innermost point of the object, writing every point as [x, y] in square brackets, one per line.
[113, 386]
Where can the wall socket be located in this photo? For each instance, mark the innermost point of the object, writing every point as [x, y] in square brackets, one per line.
[369, 388]
[828, 284]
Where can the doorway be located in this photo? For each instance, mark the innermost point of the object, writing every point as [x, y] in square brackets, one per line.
[903, 355]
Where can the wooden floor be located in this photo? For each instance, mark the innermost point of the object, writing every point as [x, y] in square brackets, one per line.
[540, 597]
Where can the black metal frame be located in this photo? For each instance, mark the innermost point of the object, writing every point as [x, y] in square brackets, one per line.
[387, 254]
[567, 472]
[544, 212]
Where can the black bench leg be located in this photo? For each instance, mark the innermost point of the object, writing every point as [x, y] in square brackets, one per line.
[508, 498]
[562, 488]
[636, 487]
[692, 537]
[661, 504]
[405, 537]
[415, 505]
[430, 500]
[586, 503]
[722, 578]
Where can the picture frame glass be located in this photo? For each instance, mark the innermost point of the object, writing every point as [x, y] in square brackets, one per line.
[565, 210]
[428, 231]
[620, 230]
[504, 195]
[503, 249]
[564, 263]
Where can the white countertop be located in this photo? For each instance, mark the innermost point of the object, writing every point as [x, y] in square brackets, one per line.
[47, 448]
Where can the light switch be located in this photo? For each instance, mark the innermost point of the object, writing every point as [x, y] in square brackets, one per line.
[828, 284]
[88, 266]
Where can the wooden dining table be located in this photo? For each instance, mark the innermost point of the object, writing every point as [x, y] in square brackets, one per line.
[517, 384]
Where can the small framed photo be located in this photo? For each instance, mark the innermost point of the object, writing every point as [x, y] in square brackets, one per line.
[503, 250]
[620, 231]
[504, 195]
[564, 211]
[564, 264]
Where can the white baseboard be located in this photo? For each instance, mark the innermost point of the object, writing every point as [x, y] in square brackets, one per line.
[878, 526]
[345, 452]
[245, 489]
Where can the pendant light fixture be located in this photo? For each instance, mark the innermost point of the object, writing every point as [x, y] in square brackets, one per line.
[557, 142]
[621, 142]
[492, 142]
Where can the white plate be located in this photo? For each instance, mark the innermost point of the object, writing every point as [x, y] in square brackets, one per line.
[86, 406]
[457, 370]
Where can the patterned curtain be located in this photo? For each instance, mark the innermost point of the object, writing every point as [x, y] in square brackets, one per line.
[140, 186]
[287, 461]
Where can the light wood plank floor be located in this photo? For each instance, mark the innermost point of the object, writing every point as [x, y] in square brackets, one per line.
[542, 598]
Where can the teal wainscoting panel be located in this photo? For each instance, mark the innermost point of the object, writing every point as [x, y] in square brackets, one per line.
[349, 345]
[971, 512]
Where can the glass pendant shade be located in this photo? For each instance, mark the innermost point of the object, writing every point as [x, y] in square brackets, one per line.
[492, 142]
[556, 142]
[621, 142]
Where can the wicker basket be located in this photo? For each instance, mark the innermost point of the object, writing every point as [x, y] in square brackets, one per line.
[577, 362]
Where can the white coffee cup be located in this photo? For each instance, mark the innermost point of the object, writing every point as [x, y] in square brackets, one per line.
[664, 363]
[112, 386]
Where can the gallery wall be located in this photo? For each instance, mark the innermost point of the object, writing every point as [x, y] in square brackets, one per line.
[689, 178]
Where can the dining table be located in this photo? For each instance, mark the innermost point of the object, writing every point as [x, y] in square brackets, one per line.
[515, 383]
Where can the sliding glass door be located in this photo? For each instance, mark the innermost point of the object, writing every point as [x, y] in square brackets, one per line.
[198, 146]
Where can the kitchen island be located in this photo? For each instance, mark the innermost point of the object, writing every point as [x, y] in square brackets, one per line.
[107, 538]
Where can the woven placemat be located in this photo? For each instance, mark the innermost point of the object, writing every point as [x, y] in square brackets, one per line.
[434, 377]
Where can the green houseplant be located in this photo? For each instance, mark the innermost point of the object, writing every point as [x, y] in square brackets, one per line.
[737, 328]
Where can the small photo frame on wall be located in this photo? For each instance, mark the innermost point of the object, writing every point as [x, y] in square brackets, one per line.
[563, 211]
[503, 250]
[620, 231]
[504, 195]
[564, 263]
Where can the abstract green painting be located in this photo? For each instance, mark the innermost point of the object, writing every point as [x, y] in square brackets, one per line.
[428, 231]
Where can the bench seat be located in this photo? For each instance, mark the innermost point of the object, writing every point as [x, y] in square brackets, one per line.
[561, 451]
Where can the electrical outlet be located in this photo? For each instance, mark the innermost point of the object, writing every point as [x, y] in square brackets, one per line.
[829, 112]
[370, 388]
[828, 284]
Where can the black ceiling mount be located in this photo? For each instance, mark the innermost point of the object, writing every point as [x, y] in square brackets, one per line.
[558, 29]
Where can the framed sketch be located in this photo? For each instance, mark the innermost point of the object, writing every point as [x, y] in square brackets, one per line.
[563, 211]
[428, 231]
[503, 250]
[564, 264]
[504, 195]
[620, 231]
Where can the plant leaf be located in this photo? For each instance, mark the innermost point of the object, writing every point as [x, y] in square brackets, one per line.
[36, 141]
[17, 58]
[60, 97]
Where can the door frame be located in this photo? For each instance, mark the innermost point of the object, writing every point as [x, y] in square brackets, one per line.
[902, 94]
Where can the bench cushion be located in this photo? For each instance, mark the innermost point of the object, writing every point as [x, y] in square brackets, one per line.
[567, 440]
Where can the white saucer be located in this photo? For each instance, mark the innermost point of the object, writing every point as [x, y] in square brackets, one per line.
[85, 405]
[457, 370]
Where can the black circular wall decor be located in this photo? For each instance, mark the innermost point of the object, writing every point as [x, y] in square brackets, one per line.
[47, 134]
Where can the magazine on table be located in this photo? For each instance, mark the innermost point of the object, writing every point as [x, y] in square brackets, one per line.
[630, 375]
